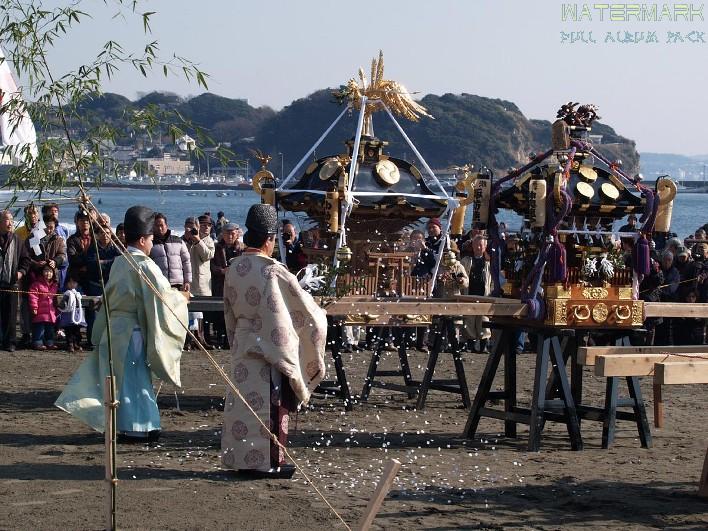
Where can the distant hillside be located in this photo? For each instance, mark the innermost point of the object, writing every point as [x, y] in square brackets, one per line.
[680, 167]
[467, 128]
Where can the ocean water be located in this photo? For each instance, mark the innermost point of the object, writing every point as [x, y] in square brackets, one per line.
[690, 209]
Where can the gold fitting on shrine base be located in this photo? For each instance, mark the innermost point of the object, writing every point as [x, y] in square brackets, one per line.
[585, 313]
[624, 294]
[558, 291]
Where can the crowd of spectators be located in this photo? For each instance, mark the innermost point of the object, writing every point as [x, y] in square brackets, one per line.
[40, 259]
[45, 272]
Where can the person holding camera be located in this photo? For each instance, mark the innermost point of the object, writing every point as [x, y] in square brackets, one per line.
[201, 250]
[295, 258]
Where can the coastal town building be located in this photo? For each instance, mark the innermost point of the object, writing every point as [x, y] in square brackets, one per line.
[167, 165]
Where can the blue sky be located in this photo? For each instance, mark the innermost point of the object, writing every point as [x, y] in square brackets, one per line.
[274, 51]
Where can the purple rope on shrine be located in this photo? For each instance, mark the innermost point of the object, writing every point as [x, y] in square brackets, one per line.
[494, 251]
[641, 254]
[584, 146]
[553, 250]
[519, 171]
[495, 238]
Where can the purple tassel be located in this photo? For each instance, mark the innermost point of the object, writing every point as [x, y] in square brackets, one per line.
[534, 309]
[641, 256]
[649, 207]
[557, 268]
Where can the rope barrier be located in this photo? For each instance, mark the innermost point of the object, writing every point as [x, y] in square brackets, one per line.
[670, 284]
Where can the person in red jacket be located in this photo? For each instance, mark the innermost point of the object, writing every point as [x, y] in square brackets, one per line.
[44, 314]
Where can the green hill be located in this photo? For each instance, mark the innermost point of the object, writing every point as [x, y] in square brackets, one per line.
[467, 128]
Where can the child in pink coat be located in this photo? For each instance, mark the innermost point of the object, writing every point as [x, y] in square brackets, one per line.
[42, 305]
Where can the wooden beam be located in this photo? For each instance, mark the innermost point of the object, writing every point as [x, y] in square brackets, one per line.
[636, 364]
[675, 309]
[681, 372]
[430, 307]
[387, 477]
[587, 355]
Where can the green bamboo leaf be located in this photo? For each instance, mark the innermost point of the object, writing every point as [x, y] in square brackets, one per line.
[146, 21]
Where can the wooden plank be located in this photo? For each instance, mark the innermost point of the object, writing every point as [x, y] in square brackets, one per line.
[430, 307]
[387, 477]
[681, 372]
[675, 309]
[458, 305]
[587, 355]
[635, 364]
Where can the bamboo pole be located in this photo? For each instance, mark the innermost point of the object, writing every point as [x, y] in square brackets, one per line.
[111, 479]
[389, 474]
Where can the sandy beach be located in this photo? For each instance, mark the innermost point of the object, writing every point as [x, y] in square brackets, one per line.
[51, 466]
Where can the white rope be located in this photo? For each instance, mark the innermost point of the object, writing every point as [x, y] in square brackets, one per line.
[311, 151]
[357, 141]
[353, 168]
[415, 150]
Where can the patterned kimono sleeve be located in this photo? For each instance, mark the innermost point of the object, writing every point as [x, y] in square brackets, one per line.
[310, 324]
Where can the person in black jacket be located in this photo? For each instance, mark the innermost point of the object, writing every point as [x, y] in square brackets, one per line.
[669, 292]
[77, 246]
[227, 248]
[13, 267]
[690, 330]
[424, 260]
[650, 291]
[99, 260]
[295, 258]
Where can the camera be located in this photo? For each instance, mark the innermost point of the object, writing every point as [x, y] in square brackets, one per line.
[193, 231]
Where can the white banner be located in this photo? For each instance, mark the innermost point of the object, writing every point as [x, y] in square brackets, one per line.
[16, 127]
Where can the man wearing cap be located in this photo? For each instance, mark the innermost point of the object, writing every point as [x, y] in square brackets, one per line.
[277, 335]
[221, 221]
[435, 235]
[227, 248]
[201, 250]
[147, 325]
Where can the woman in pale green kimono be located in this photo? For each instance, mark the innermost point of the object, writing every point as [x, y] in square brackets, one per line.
[146, 338]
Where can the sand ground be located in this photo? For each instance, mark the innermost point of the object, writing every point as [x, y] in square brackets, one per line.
[51, 466]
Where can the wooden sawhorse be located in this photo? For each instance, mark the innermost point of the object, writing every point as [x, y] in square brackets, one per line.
[542, 407]
[609, 414]
[441, 326]
[340, 387]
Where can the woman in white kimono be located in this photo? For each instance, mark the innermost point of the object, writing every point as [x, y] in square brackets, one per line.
[145, 335]
[277, 335]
